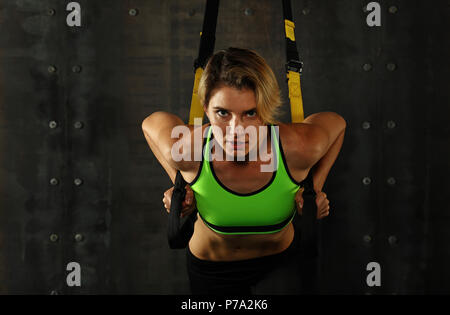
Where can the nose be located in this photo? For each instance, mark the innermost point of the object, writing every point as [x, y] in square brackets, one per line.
[235, 129]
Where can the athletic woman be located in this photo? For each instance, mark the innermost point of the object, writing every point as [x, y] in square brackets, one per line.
[244, 240]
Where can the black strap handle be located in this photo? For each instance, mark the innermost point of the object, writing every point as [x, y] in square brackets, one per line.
[309, 239]
[309, 217]
[179, 234]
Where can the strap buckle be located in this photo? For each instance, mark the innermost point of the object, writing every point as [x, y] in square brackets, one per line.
[294, 65]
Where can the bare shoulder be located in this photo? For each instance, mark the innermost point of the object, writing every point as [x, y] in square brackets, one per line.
[172, 141]
[301, 143]
[327, 126]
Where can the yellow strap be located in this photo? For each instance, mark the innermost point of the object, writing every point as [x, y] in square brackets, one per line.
[196, 109]
[295, 96]
[289, 28]
[295, 91]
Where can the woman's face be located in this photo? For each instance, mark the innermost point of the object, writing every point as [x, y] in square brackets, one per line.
[232, 111]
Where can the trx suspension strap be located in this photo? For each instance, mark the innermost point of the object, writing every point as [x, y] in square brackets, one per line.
[293, 65]
[308, 222]
[179, 234]
[207, 42]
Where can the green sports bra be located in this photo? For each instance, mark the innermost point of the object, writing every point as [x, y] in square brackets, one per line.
[264, 211]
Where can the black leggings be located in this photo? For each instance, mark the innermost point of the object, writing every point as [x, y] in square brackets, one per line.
[273, 274]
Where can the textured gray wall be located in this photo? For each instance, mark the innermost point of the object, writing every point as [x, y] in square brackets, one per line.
[132, 65]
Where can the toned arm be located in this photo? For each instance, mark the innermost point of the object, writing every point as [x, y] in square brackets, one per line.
[329, 129]
[157, 129]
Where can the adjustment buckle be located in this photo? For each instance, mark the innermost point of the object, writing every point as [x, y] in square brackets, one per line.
[294, 65]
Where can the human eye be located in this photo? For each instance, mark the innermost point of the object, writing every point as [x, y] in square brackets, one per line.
[251, 113]
[222, 112]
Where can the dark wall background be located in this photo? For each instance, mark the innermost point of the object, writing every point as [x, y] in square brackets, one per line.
[79, 183]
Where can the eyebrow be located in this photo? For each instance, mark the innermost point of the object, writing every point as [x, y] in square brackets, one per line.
[221, 108]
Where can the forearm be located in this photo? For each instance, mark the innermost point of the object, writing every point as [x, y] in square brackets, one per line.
[323, 166]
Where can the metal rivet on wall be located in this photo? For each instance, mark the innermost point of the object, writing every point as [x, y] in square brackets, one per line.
[367, 239]
[192, 12]
[393, 240]
[391, 181]
[78, 237]
[54, 181]
[51, 12]
[366, 180]
[76, 69]
[78, 181]
[393, 9]
[53, 124]
[54, 237]
[305, 11]
[51, 69]
[133, 12]
[367, 67]
[78, 125]
[366, 125]
[391, 124]
[391, 66]
[248, 11]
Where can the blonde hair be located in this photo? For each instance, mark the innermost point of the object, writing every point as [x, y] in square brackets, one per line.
[243, 68]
